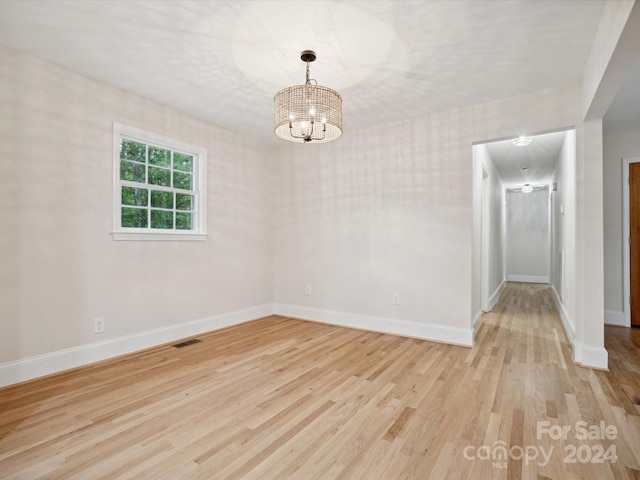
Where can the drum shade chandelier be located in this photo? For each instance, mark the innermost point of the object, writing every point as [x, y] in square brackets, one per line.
[308, 113]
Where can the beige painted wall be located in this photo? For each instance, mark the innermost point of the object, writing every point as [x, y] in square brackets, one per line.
[497, 229]
[528, 234]
[616, 146]
[391, 210]
[60, 266]
[614, 48]
[493, 223]
[387, 209]
[563, 225]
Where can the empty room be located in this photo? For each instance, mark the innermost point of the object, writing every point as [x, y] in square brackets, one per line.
[319, 239]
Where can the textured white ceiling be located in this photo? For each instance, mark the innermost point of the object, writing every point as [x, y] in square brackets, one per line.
[224, 60]
[539, 158]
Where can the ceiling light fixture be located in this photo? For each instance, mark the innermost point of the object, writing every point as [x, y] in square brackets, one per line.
[527, 188]
[308, 113]
[522, 141]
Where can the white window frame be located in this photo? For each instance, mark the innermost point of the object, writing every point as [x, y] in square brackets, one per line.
[199, 231]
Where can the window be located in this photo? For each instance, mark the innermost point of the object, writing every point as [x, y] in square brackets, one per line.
[159, 187]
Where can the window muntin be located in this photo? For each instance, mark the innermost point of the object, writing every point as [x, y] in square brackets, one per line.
[158, 187]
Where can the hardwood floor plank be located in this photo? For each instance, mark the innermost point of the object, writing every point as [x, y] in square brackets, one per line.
[281, 398]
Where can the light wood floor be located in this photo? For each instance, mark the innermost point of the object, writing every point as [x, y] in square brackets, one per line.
[286, 399]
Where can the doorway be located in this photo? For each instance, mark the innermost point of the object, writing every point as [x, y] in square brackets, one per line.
[631, 239]
[545, 168]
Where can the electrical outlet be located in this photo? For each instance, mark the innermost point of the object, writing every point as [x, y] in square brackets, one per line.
[307, 290]
[98, 325]
[396, 299]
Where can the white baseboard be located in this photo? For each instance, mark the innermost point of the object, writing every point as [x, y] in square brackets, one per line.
[476, 319]
[495, 296]
[527, 279]
[591, 356]
[618, 319]
[424, 331]
[475, 322]
[567, 321]
[40, 365]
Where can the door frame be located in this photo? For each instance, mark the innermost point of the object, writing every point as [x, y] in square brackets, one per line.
[626, 255]
[485, 225]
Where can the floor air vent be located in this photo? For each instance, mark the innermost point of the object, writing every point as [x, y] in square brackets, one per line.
[187, 343]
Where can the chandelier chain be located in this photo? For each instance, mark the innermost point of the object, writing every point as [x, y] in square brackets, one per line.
[309, 80]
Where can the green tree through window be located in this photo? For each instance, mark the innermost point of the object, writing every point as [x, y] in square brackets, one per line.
[158, 187]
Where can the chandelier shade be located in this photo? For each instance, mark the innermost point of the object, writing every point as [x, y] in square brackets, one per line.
[308, 113]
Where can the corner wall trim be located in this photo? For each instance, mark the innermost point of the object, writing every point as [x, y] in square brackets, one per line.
[527, 278]
[476, 319]
[495, 296]
[618, 319]
[54, 362]
[423, 331]
[592, 356]
[567, 322]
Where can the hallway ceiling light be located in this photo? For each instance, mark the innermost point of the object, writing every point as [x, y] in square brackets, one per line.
[308, 113]
[522, 141]
[527, 188]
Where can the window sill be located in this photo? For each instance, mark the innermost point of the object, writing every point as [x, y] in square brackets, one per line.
[146, 236]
